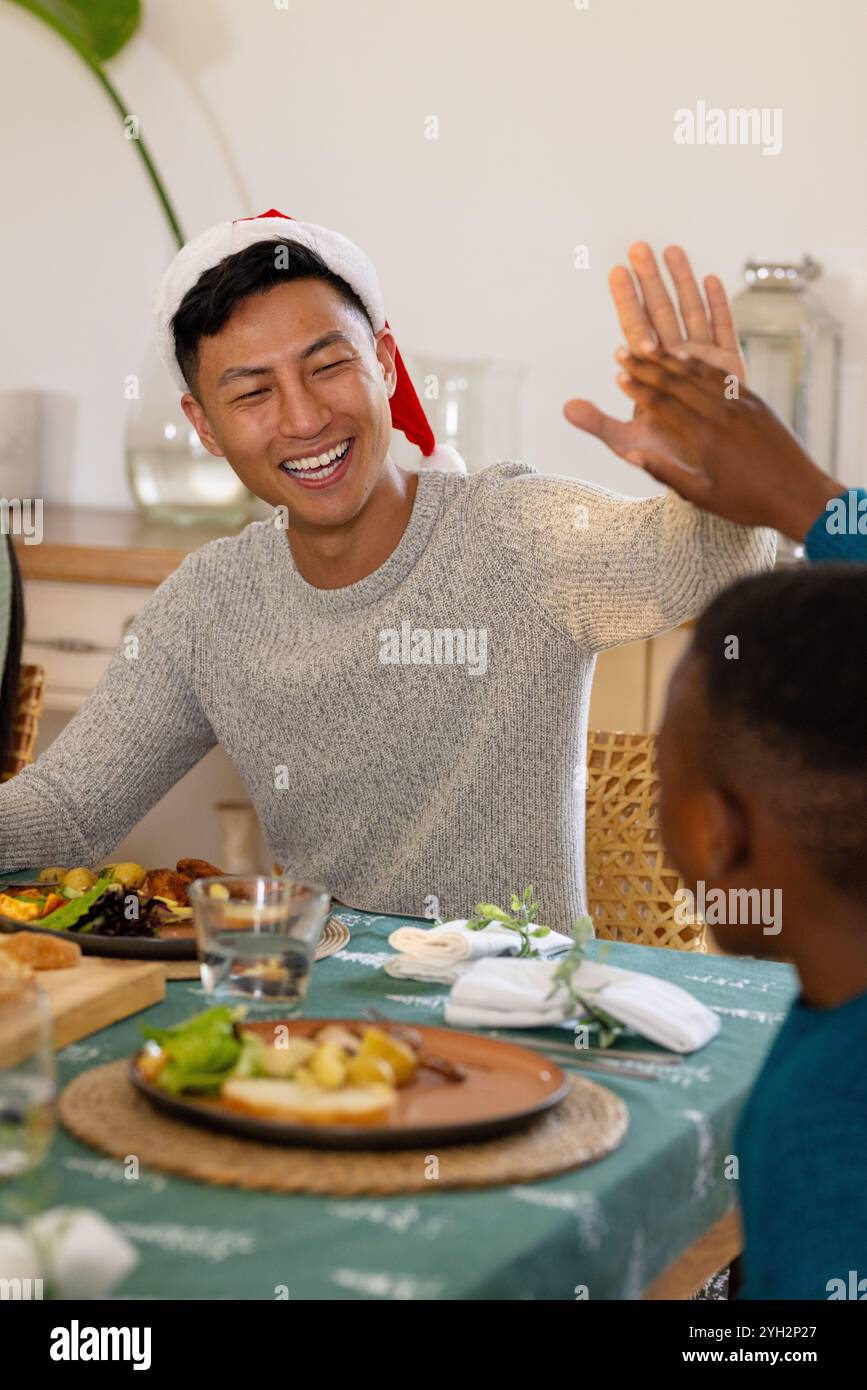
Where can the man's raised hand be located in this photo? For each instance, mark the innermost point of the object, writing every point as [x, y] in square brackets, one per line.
[648, 318]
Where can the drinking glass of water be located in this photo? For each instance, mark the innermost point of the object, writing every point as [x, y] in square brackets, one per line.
[28, 1086]
[257, 937]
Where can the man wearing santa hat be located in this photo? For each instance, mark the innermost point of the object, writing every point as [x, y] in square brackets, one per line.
[398, 664]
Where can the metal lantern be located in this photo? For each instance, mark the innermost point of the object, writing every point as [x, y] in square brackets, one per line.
[792, 347]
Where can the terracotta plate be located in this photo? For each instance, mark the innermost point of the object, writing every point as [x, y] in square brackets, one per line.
[506, 1088]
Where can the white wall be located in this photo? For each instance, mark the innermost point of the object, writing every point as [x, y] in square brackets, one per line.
[556, 129]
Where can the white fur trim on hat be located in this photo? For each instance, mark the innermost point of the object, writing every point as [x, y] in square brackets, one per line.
[445, 458]
[340, 254]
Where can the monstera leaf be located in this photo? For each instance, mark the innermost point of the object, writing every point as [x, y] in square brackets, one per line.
[98, 30]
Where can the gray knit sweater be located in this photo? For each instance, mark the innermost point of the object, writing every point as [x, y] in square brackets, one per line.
[414, 741]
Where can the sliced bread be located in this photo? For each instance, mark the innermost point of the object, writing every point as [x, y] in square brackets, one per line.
[296, 1103]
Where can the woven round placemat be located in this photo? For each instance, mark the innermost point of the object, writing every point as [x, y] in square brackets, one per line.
[335, 935]
[102, 1108]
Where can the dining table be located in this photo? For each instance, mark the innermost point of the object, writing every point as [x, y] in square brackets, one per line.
[655, 1218]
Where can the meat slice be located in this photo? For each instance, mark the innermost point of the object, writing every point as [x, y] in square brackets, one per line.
[198, 868]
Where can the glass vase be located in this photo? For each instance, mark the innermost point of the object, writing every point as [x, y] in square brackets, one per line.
[171, 475]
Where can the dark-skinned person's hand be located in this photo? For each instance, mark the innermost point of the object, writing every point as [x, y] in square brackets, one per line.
[725, 449]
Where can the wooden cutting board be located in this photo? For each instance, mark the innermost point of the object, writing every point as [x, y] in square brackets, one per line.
[93, 994]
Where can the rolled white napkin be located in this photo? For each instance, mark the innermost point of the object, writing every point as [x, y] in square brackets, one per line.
[452, 942]
[513, 994]
[428, 972]
[76, 1251]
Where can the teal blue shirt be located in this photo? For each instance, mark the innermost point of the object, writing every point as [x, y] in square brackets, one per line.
[801, 1145]
[840, 532]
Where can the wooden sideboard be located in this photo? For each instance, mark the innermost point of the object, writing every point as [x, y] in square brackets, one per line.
[85, 582]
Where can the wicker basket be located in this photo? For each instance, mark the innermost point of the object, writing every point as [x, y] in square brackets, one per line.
[25, 726]
[631, 886]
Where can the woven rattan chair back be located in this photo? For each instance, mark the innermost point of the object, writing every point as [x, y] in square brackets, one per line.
[631, 885]
[25, 725]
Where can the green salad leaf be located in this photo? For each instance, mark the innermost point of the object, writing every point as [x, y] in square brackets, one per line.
[63, 917]
[204, 1050]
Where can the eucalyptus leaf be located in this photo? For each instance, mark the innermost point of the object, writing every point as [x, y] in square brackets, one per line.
[520, 920]
[563, 978]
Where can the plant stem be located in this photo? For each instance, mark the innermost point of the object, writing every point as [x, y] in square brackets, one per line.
[155, 179]
[81, 38]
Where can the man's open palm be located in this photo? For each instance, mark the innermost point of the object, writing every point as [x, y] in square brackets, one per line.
[647, 315]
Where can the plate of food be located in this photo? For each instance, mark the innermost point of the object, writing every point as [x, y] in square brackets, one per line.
[116, 910]
[342, 1083]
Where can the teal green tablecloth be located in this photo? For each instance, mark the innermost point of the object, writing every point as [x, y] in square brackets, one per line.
[612, 1226]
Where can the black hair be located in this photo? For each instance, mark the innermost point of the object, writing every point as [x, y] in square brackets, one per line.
[207, 307]
[789, 709]
[12, 663]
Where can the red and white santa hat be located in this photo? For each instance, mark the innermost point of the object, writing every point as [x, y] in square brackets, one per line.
[342, 257]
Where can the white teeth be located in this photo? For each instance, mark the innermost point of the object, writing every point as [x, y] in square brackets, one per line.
[318, 461]
[326, 472]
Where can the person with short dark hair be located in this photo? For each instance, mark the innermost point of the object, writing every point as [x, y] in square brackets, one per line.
[398, 663]
[207, 307]
[763, 765]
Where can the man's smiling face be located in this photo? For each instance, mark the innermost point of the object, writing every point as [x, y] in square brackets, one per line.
[293, 374]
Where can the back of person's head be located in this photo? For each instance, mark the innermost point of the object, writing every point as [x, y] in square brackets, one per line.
[11, 659]
[783, 659]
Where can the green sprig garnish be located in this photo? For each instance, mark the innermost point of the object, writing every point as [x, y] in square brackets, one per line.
[520, 919]
[563, 978]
